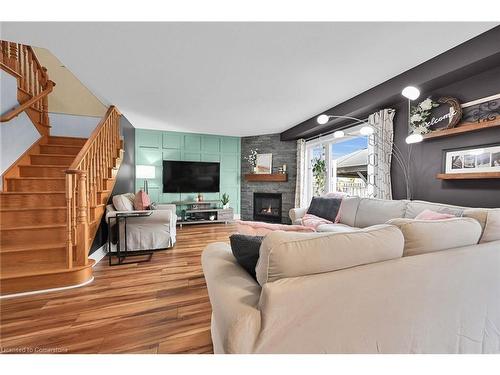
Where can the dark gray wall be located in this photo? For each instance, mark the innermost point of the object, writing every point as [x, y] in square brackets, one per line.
[426, 160]
[125, 180]
[283, 153]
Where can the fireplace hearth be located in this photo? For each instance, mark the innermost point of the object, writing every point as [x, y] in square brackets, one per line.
[267, 207]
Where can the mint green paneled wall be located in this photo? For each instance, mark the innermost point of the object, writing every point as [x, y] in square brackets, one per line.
[153, 146]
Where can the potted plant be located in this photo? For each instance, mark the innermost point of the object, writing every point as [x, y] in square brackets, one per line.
[225, 201]
[319, 175]
[252, 160]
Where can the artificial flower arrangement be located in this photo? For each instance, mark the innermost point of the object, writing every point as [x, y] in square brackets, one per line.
[420, 114]
[252, 158]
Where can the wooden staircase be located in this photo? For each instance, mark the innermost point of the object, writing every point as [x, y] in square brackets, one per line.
[54, 195]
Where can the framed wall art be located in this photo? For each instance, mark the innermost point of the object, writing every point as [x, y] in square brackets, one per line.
[264, 163]
[478, 159]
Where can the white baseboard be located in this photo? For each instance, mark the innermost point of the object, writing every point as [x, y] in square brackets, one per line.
[98, 254]
[47, 290]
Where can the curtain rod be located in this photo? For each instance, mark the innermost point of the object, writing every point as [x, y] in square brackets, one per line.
[361, 121]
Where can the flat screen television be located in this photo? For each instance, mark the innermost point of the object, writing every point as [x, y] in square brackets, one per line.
[190, 177]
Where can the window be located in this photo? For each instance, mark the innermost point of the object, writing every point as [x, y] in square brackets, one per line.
[344, 161]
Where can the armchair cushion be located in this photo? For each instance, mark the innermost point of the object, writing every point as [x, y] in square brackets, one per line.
[124, 202]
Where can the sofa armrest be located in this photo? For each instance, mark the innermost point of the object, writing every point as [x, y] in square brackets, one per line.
[234, 296]
[296, 214]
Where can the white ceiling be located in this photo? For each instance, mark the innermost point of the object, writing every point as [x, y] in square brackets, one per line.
[236, 78]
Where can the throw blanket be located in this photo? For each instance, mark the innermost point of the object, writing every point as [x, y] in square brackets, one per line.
[313, 221]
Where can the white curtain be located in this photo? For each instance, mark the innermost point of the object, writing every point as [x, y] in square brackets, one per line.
[380, 145]
[300, 185]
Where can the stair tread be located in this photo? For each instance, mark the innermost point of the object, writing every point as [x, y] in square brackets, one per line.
[55, 145]
[44, 166]
[33, 208]
[66, 137]
[55, 155]
[24, 227]
[32, 192]
[34, 178]
[39, 269]
[24, 247]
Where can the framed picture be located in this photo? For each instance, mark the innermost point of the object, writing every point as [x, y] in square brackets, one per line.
[264, 163]
[478, 159]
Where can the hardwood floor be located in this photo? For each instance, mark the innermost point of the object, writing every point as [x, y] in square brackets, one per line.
[160, 306]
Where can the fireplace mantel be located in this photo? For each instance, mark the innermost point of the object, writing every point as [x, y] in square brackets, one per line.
[274, 177]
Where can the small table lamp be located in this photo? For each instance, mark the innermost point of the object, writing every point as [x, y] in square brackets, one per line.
[145, 172]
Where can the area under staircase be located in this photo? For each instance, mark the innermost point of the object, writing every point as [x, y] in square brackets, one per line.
[54, 195]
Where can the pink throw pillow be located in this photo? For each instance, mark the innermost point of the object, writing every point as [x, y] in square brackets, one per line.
[432, 215]
[142, 201]
[257, 228]
[313, 221]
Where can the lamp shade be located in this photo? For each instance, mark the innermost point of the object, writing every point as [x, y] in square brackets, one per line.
[411, 92]
[322, 119]
[414, 138]
[145, 171]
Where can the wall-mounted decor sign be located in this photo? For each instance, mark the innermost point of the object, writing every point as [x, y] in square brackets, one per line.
[264, 163]
[479, 159]
[481, 110]
[430, 115]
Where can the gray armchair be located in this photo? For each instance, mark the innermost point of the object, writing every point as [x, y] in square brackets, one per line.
[154, 232]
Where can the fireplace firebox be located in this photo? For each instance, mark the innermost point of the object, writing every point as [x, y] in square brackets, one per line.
[267, 207]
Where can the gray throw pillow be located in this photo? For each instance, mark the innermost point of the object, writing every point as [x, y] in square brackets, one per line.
[246, 251]
[325, 207]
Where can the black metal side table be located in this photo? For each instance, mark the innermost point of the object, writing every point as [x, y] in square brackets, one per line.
[122, 254]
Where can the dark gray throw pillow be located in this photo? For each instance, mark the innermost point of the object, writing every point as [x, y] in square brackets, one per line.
[246, 251]
[325, 207]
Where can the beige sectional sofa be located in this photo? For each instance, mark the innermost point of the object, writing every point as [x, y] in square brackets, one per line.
[348, 290]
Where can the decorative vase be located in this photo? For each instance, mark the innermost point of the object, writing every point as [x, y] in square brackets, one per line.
[225, 206]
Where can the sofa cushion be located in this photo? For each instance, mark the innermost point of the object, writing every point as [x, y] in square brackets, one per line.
[377, 211]
[492, 227]
[348, 210]
[425, 236]
[288, 254]
[246, 251]
[327, 207]
[124, 202]
[414, 208]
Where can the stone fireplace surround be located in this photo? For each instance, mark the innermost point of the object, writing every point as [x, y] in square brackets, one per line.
[283, 153]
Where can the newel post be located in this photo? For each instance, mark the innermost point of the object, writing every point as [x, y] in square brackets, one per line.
[82, 222]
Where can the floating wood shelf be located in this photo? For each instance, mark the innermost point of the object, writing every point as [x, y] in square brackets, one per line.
[274, 177]
[464, 128]
[467, 176]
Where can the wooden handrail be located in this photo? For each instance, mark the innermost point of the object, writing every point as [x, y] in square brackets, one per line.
[21, 108]
[86, 178]
[90, 140]
[33, 84]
